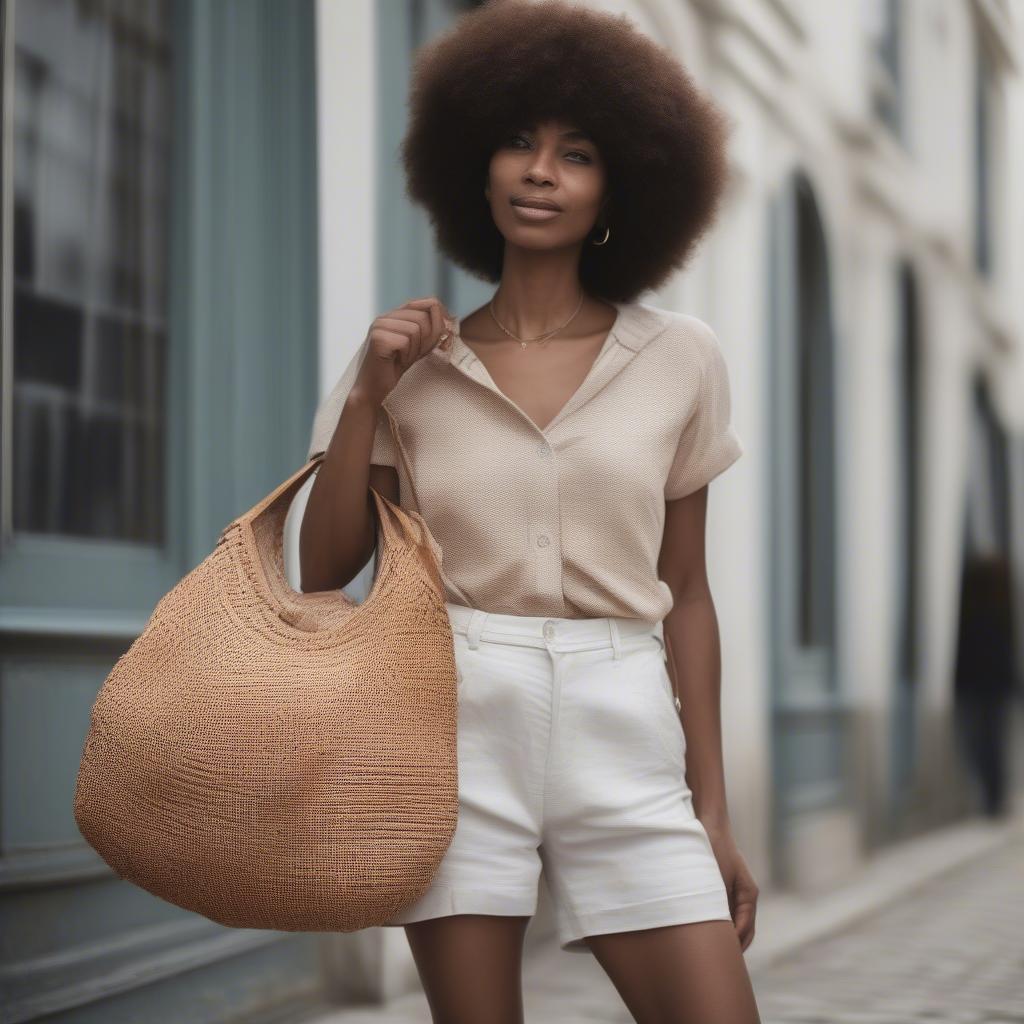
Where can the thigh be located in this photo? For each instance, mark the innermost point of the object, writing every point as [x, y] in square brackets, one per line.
[503, 702]
[492, 865]
[622, 846]
[688, 972]
[470, 966]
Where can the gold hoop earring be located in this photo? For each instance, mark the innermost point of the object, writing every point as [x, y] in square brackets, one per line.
[607, 232]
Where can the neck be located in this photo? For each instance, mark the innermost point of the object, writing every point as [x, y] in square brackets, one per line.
[536, 298]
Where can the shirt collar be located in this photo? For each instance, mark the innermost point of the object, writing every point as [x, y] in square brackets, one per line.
[637, 324]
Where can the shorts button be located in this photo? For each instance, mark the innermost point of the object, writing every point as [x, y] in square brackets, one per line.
[543, 540]
[549, 630]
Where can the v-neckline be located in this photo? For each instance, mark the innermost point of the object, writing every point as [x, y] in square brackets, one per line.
[464, 356]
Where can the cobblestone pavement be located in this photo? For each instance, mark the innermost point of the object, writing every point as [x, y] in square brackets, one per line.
[952, 951]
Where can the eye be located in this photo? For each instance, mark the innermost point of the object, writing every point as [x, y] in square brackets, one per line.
[519, 137]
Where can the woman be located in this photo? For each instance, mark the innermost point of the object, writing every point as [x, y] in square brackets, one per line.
[561, 438]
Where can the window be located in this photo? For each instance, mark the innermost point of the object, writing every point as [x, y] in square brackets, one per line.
[90, 172]
[886, 73]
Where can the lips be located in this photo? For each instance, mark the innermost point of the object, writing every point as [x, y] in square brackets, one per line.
[536, 204]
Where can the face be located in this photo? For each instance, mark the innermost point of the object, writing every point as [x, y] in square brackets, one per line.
[553, 161]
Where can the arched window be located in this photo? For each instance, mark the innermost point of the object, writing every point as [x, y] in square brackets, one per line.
[808, 723]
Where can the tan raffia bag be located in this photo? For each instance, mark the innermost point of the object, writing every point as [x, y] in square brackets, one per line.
[273, 759]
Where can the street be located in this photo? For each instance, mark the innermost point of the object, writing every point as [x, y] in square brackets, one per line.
[950, 950]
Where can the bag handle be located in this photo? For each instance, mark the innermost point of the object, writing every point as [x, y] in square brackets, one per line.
[283, 494]
[398, 524]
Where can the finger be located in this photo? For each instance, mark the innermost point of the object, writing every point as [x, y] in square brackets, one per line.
[440, 319]
[426, 304]
[445, 321]
[745, 922]
[415, 324]
[396, 343]
[439, 322]
[444, 314]
[445, 324]
[407, 330]
[423, 303]
[429, 303]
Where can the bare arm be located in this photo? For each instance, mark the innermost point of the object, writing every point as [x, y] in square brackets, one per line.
[336, 538]
[694, 653]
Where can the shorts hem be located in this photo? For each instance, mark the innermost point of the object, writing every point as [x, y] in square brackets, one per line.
[444, 901]
[685, 908]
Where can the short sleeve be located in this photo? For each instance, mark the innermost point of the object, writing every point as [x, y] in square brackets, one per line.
[328, 414]
[708, 444]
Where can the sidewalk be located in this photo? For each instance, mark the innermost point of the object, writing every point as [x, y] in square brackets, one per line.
[981, 861]
[948, 952]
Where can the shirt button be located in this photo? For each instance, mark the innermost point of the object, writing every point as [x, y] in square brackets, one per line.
[549, 630]
[543, 540]
[543, 450]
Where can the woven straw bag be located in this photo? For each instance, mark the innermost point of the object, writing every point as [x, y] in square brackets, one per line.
[273, 759]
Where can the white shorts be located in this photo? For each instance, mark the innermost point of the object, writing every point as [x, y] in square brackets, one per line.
[571, 762]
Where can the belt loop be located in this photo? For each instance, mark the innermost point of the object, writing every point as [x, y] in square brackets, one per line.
[476, 627]
[613, 629]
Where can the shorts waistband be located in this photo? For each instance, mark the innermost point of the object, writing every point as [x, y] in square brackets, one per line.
[541, 630]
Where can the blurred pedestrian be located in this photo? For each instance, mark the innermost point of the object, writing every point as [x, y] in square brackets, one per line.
[984, 678]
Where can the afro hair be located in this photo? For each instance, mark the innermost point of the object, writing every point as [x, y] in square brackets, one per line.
[513, 63]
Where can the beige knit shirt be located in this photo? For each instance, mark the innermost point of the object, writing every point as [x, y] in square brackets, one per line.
[565, 521]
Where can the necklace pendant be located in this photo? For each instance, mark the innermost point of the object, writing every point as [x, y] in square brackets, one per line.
[522, 344]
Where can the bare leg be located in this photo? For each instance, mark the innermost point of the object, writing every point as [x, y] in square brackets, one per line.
[693, 973]
[470, 966]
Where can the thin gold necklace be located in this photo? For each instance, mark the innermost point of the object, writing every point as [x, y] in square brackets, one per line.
[523, 342]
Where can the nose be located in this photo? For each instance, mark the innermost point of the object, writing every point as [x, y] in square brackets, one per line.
[541, 168]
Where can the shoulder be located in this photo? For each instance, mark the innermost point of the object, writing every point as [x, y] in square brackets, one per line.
[681, 338]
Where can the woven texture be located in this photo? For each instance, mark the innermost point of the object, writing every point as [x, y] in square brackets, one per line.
[272, 759]
[566, 521]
